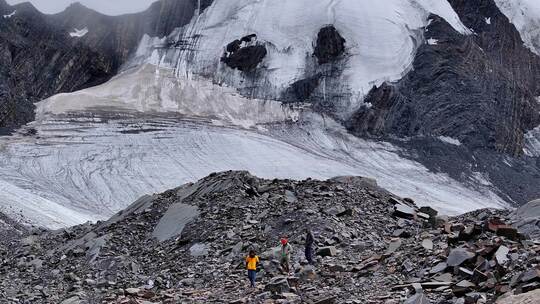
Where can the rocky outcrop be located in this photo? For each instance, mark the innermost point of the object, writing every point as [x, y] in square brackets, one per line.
[245, 59]
[330, 45]
[371, 247]
[244, 54]
[479, 89]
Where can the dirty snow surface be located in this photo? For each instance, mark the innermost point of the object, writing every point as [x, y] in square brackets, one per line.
[83, 159]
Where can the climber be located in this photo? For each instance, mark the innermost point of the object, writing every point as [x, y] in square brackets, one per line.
[285, 255]
[309, 246]
[252, 261]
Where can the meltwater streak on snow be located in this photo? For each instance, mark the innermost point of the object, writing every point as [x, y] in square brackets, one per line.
[380, 38]
[525, 15]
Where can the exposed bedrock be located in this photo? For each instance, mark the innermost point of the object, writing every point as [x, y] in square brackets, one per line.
[244, 54]
[479, 89]
[330, 45]
[322, 84]
[302, 89]
[515, 178]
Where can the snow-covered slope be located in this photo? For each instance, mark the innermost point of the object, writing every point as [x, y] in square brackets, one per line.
[532, 143]
[381, 39]
[525, 15]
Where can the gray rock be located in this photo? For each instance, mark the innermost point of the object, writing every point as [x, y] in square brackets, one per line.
[132, 291]
[438, 268]
[427, 244]
[418, 298]
[290, 197]
[393, 246]
[198, 250]
[174, 220]
[458, 256]
[278, 285]
[72, 300]
[404, 211]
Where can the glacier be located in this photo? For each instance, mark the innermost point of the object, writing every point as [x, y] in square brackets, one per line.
[382, 38]
[84, 158]
[175, 114]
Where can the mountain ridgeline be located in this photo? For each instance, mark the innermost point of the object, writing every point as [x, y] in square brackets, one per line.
[40, 55]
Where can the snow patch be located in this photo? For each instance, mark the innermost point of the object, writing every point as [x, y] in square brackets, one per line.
[532, 143]
[488, 20]
[20, 201]
[432, 41]
[450, 140]
[10, 15]
[79, 33]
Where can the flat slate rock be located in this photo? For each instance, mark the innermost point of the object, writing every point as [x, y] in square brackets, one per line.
[458, 256]
[174, 220]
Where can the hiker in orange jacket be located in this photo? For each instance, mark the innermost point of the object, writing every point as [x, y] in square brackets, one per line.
[252, 261]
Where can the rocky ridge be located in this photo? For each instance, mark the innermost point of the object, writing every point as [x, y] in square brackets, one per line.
[186, 245]
[480, 89]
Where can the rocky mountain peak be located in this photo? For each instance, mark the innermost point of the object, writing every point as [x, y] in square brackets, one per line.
[78, 9]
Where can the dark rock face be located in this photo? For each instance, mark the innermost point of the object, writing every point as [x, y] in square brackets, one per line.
[118, 36]
[516, 178]
[478, 88]
[38, 58]
[244, 54]
[37, 61]
[330, 45]
[302, 90]
[322, 84]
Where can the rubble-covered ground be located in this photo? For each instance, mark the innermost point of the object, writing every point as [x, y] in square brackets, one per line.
[187, 245]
